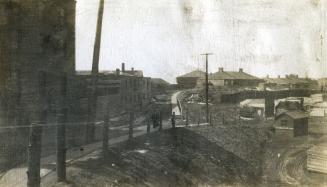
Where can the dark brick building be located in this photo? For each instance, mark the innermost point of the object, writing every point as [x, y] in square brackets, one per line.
[35, 36]
[124, 90]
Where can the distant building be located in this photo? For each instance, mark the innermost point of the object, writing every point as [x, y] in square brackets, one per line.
[322, 84]
[297, 121]
[189, 80]
[159, 86]
[125, 89]
[289, 82]
[232, 79]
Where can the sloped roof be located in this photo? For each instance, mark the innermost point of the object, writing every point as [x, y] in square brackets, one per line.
[287, 80]
[232, 75]
[159, 81]
[220, 75]
[295, 114]
[241, 75]
[196, 73]
[277, 80]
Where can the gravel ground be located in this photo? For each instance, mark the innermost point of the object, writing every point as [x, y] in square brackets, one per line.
[179, 157]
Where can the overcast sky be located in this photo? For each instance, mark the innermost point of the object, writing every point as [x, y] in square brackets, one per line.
[165, 38]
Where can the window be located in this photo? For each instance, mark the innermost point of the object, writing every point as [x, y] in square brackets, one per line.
[283, 122]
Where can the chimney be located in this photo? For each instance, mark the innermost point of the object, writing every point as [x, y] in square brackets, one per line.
[123, 67]
[241, 70]
[132, 69]
[278, 76]
[117, 71]
[221, 69]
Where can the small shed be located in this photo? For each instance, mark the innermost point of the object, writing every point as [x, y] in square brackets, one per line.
[293, 120]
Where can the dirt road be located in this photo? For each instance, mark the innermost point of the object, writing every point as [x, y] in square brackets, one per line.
[17, 177]
[285, 162]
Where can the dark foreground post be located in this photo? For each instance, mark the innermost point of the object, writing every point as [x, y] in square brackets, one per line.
[105, 137]
[34, 156]
[61, 134]
[130, 130]
[160, 121]
[187, 116]
[223, 119]
[210, 119]
[35, 139]
[148, 124]
[173, 120]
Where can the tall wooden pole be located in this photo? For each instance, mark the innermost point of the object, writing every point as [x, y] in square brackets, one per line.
[35, 141]
[92, 101]
[207, 87]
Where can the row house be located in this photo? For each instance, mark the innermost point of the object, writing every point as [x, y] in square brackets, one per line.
[289, 82]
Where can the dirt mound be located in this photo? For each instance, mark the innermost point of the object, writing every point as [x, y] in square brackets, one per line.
[177, 157]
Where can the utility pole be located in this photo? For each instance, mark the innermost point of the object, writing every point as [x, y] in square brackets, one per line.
[35, 140]
[207, 86]
[92, 100]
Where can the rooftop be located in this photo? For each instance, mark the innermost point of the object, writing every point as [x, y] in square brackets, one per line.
[288, 79]
[137, 73]
[196, 73]
[159, 81]
[296, 114]
[233, 75]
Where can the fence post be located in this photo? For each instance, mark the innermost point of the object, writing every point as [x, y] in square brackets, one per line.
[61, 133]
[148, 124]
[105, 137]
[35, 139]
[160, 120]
[130, 130]
[223, 119]
[210, 119]
[186, 116]
[173, 120]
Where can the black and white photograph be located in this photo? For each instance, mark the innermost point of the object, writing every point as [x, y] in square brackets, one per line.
[163, 93]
